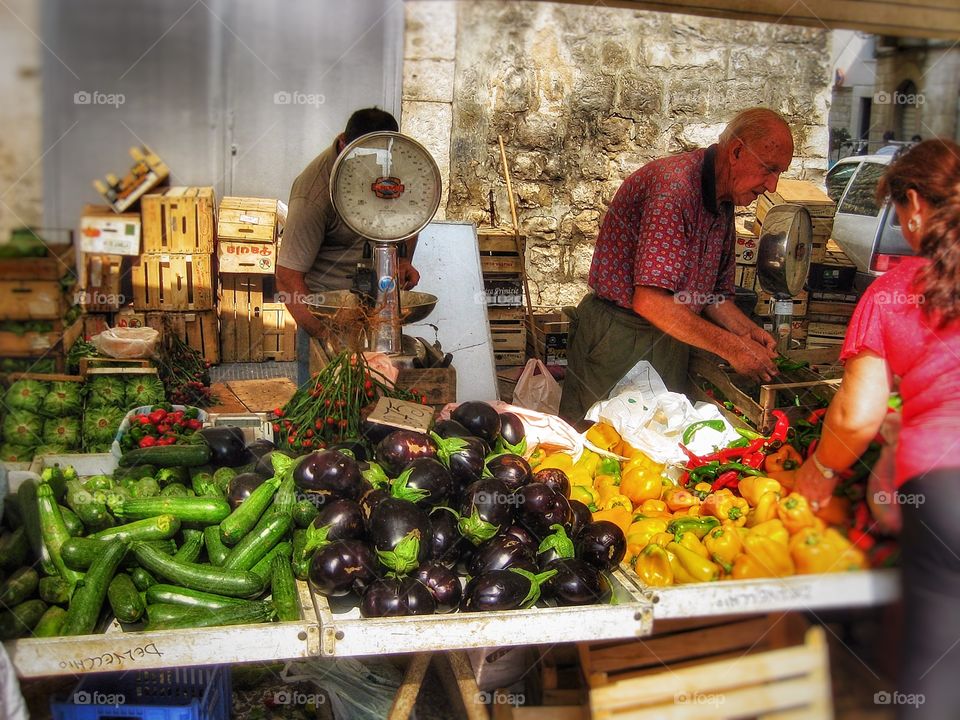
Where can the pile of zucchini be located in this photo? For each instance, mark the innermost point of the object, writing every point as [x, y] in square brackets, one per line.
[160, 547]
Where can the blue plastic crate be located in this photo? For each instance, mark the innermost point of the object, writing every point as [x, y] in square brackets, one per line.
[192, 693]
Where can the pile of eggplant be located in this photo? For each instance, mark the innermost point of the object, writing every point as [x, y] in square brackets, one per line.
[450, 520]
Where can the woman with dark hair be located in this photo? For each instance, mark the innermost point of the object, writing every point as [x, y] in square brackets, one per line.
[907, 325]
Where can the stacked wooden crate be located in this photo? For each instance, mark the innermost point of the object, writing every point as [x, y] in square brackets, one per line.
[832, 298]
[107, 240]
[815, 200]
[173, 278]
[253, 326]
[36, 294]
[501, 262]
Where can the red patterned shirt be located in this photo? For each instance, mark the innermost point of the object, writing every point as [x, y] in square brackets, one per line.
[664, 229]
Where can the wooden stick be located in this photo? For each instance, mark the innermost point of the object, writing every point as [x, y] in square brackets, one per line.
[467, 683]
[406, 698]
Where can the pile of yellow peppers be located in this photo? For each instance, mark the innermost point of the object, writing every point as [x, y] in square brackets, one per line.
[679, 535]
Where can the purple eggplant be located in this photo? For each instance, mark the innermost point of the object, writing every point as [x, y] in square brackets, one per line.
[602, 544]
[227, 446]
[343, 566]
[520, 533]
[555, 546]
[512, 470]
[265, 466]
[354, 448]
[450, 428]
[240, 487]
[393, 597]
[501, 553]
[260, 447]
[576, 583]
[512, 431]
[446, 542]
[443, 583]
[424, 481]
[337, 520]
[327, 475]
[487, 508]
[479, 418]
[402, 447]
[580, 517]
[554, 478]
[369, 500]
[503, 590]
[464, 457]
[540, 507]
[400, 532]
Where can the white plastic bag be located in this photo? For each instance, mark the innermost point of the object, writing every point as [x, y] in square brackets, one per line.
[536, 389]
[126, 342]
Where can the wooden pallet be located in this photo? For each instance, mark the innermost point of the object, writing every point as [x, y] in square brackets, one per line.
[59, 261]
[114, 366]
[179, 220]
[199, 330]
[173, 282]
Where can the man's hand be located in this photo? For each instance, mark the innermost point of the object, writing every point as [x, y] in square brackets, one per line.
[408, 276]
[752, 359]
[759, 335]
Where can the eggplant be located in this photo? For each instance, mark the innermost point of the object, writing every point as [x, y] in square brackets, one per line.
[523, 535]
[343, 566]
[227, 446]
[402, 447]
[510, 469]
[554, 478]
[487, 508]
[580, 517]
[354, 448]
[450, 428]
[327, 475]
[260, 447]
[602, 544]
[541, 507]
[369, 500]
[576, 583]
[465, 457]
[424, 481]
[503, 590]
[443, 583]
[338, 520]
[445, 538]
[240, 487]
[400, 532]
[373, 432]
[479, 418]
[264, 464]
[555, 546]
[501, 553]
[393, 597]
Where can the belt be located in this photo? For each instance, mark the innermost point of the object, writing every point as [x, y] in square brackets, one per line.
[627, 314]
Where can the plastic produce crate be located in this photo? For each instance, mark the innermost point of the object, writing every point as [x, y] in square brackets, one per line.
[198, 693]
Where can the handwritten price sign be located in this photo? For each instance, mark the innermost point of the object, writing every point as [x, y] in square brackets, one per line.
[402, 414]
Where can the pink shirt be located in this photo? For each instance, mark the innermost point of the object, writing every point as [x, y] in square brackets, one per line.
[890, 322]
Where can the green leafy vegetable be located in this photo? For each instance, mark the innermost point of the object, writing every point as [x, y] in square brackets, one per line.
[100, 426]
[144, 390]
[64, 398]
[48, 449]
[15, 453]
[25, 395]
[22, 428]
[62, 431]
[106, 390]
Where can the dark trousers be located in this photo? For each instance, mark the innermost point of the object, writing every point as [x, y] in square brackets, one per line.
[930, 547]
[605, 341]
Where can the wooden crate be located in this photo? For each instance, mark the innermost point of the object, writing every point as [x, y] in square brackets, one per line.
[508, 330]
[173, 282]
[96, 323]
[243, 257]
[32, 300]
[797, 192]
[59, 261]
[279, 333]
[248, 220]
[241, 318]
[199, 330]
[101, 283]
[148, 172]
[500, 253]
[58, 358]
[179, 220]
[439, 385]
[31, 344]
[510, 357]
[550, 337]
[765, 302]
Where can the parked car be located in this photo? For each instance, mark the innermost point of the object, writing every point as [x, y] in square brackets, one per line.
[868, 232]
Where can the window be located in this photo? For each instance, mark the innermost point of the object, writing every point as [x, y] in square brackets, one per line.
[837, 179]
[861, 195]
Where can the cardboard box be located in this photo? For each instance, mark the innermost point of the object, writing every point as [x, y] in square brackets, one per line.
[106, 232]
[745, 276]
[238, 256]
[129, 318]
[747, 245]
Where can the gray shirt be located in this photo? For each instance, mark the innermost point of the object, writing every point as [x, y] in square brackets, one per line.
[315, 240]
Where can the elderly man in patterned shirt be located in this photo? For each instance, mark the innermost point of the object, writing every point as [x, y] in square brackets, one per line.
[663, 266]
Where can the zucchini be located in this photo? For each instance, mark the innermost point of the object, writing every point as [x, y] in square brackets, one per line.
[30, 514]
[254, 612]
[300, 562]
[191, 548]
[206, 511]
[264, 568]
[168, 456]
[92, 513]
[125, 599]
[19, 587]
[54, 590]
[283, 590]
[164, 612]
[79, 553]
[135, 473]
[286, 498]
[241, 521]
[216, 551]
[173, 595]
[54, 531]
[50, 622]
[235, 583]
[21, 619]
[303, 513]
[160, 527]
[14, 548]
[87, 600]
[142, 579]
[74, 524]
[248, 552]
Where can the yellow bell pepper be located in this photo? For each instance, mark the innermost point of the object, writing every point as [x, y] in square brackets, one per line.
[700, 568]
[824, 551]
[619, 516]
[560, 460]
[766, 509]
[618, 500]
[772, 529]
[579, 476]
[726, 507]
[784, 459]
[753, 487]
[662, 539]
[678, 498]
[536, 457]
[606, 487]
[585, 494]
[702, 490]
[588, 461]
[692, 542]
[746, 567]
[680, 574]
[642, 530]
[724, 545]
[603, 435]
[640, 484]
[853, 557]
[795, 512]
[640, 459]
[654, 508]
[771, 555]
[653, 567]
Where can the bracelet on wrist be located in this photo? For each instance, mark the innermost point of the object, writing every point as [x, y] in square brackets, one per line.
[828, 473]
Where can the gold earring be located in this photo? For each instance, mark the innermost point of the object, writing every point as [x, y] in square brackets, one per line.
[913, 224]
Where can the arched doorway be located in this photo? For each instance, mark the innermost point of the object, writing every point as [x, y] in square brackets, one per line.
[906, 113]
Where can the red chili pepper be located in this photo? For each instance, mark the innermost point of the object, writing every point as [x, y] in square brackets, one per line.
[812, 447]
[816, 416]
[861, 539]
[308, 433]
[780, 428]
[754, 460]
[331, 421]
[367, 384]
[861, 516]
[318, 424]
[147, 441]
[725, 480]
[693, 460]
[343, 423]
[684, 479]
[423, 399]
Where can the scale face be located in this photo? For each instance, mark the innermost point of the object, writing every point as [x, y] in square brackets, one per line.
[385, 186]
[783, 259]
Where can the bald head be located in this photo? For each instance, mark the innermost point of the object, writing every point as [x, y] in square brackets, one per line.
[754, 149]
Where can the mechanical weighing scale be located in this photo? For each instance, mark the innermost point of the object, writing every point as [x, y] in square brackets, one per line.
[386, 187]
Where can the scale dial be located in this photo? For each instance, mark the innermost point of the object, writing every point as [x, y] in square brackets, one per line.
[783, 258]
[385, 186]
